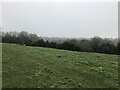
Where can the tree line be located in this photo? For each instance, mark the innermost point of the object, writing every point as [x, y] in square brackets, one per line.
[95, 44]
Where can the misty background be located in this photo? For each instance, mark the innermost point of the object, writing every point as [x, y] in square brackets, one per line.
[63, 19]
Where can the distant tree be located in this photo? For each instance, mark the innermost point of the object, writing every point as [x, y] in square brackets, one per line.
[118, 48]
[40, 43]
[95, 43]
[23, 37]
[33, 37]
[29, 43]
[52, 45]
[47, 43]
[106, 48]
[73, 41]
[69, 46]
[85, 45]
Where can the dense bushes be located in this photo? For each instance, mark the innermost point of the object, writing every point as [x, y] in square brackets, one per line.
[95, 44]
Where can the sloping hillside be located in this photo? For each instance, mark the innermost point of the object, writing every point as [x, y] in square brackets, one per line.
[37, 67]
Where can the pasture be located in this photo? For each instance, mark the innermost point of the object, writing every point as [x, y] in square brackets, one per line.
[38, 67]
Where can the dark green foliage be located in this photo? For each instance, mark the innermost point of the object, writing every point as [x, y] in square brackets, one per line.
[95, 44]
[118, 48]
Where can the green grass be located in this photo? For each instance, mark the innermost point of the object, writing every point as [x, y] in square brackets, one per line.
[0, 66]
[37, 67]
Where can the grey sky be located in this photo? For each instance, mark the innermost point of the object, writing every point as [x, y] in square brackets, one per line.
[85, 19]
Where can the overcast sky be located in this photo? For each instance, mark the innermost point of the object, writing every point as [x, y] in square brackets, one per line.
[63, 19]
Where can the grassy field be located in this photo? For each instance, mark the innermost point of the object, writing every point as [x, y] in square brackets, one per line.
[37, 67]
